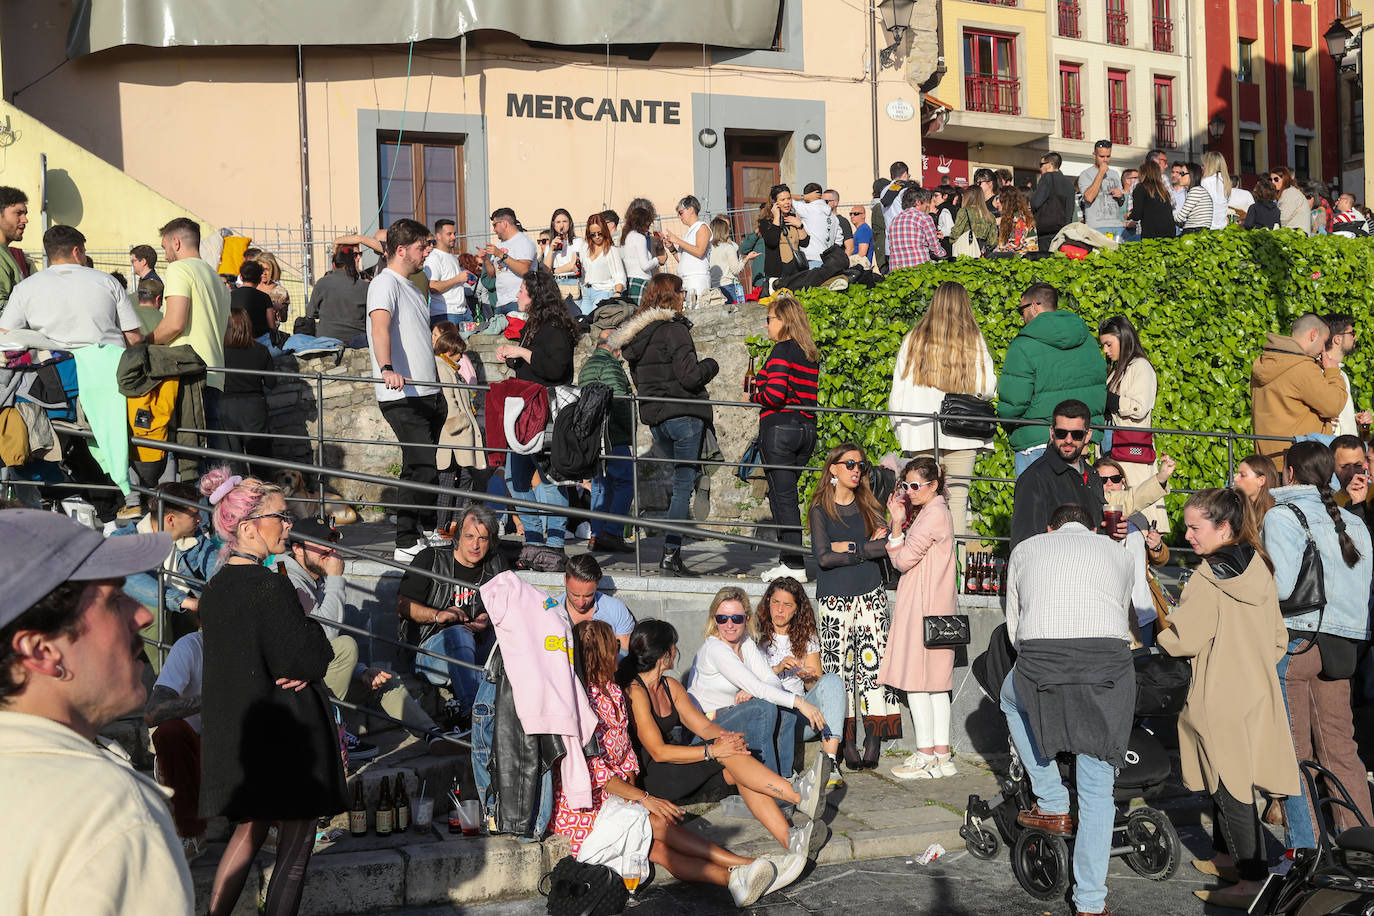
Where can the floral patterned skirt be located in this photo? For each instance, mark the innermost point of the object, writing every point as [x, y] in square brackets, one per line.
[853, 640]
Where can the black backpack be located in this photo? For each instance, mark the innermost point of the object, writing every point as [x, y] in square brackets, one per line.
[578, 433]
[581, 889]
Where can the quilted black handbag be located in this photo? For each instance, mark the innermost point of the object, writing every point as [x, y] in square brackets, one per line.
[1309, 591]
[967, 417]
[582, 889]
[946, 631]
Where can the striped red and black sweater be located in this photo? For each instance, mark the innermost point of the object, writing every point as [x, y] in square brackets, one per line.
[787, 379]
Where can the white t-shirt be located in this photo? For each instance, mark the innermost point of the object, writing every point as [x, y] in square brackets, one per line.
[1240, 199]
[442, 265]
[640, 264]
[822, 227]
[565, 256]
[182, 671]
[71, 304]
[520, 247]
[689, 266]
[778, 648]
[412, 347]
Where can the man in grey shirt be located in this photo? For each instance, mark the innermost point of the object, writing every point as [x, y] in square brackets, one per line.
[1102, 192]
[1073, 687]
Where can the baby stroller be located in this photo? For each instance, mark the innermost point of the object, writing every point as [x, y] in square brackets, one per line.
[1337, 876]
[1142, 835]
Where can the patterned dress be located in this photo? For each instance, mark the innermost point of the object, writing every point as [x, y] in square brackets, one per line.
[617, 759]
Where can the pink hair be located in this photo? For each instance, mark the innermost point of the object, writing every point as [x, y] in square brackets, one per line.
[239, 503]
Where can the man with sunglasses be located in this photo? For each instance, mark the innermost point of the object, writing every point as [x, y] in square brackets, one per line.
[1059, 476]
[508, 259]
[1054, 358]
[862, 235]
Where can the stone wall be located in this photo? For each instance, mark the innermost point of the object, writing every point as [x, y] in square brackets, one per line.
[351, 412]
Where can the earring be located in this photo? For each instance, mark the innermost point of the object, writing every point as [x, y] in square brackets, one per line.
[834, 481]
[61, 673]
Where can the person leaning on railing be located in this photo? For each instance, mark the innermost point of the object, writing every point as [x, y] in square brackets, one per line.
[786, 386]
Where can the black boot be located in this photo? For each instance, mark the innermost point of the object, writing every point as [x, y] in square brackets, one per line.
[852, 760]
[873, 749]
[671, 564]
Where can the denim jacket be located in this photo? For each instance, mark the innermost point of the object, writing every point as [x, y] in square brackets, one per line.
[1347, 589]
[198, 557]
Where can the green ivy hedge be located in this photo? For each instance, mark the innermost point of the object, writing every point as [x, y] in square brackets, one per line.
[1202, 304]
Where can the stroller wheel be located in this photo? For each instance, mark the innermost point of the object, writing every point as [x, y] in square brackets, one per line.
[1041, 864]
[980, 842]
[1160, 850]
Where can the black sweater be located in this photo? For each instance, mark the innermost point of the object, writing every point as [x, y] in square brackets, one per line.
[845, 575]
[266, 753]
[551, 357]
[243, 384]
[1047, 484]
[1156, 217]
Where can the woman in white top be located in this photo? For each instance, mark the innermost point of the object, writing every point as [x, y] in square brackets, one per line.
[787, 633]
[691, 248]
[1132, 388]
[1217, 180]
[944, 354]
[641, 249]
[1294, 210]
[563, 252]
[1199, 206]
[726, 264]
[735, 686]
[603, 271]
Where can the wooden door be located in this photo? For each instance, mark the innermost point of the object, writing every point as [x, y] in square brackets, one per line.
[753, 165]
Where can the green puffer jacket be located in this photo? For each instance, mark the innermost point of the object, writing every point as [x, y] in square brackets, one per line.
[605, 367]
[1054, 358]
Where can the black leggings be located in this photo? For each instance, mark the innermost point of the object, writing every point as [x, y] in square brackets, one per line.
[295, 843]
[1236, 829]
[788, 441]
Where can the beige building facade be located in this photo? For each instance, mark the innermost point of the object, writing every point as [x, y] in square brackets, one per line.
[449, 129]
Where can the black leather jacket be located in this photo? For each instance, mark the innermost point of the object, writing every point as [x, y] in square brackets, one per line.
[518, 760]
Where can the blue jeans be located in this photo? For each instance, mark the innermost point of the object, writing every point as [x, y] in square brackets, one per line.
[1025, 459]
[456, 317]
[758, 720]
[539, 528]
[483, 730]
[1096, 807]
[827, 694]
[591, 298]
[734, 293]
[455, 642]
[680, 439]
[613, 491]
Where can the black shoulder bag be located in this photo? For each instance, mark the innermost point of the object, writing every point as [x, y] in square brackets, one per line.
[582, 889]
[967, 416]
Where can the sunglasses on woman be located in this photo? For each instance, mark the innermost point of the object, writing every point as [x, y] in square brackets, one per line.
[851, 464]
[279, 516]
[736, 619]
[906, 485]
[1110, 478]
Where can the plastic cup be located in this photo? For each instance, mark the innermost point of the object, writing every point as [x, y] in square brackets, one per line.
[422, 810]
[470, 816]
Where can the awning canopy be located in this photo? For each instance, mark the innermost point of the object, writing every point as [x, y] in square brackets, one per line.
[101, 24]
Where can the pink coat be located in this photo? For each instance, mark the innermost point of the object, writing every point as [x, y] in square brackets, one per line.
[536, 648]
[925, 558]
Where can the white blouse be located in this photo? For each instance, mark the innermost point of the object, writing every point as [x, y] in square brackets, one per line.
[603, 272]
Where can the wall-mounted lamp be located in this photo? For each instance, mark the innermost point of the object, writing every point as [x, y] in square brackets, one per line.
[896, 21]
[812, 142]
[707, 137]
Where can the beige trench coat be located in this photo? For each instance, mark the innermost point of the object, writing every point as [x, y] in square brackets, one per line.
[1233, 731]
[459, 438]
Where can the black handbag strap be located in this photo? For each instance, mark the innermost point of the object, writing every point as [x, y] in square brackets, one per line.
[1321, 613]
[1302, 520]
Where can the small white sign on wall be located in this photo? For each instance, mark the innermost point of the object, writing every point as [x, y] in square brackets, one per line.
[900, 110]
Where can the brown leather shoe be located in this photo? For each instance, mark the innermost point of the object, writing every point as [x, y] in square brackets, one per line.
[1106, 911]
[1053, 824]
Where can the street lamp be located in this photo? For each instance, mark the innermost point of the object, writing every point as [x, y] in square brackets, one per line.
[1343, 45]
[896, 21]
[1215, 128]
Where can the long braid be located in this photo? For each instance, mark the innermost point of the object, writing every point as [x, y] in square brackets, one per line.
[1349, 552]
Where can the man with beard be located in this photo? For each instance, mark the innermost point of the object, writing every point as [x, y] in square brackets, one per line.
[69, 666]
[14, 217]
[1058, 476]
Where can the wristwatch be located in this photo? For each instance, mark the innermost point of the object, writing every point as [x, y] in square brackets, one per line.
[388, 368]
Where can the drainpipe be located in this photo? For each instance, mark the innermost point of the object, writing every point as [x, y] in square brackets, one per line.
[873, 76]
[308, 236]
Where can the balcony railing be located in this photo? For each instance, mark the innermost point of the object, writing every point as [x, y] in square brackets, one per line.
[1116, 27]
[1119, 120]
[1071, 121]
[993, 94]
[1162, 31]
[1068, 19]
[1164, 132]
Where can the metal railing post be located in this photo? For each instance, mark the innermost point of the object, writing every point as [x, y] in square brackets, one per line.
[1230, 461]
[634, 469]
[161, 589]
[319, 441]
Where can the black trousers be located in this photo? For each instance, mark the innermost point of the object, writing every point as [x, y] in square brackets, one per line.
[246, 414]
[1236, 829]
[787, 439]
[416, 420]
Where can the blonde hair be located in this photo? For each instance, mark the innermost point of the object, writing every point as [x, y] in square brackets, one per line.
[795, 326]
[1214, 164]
[730, 593]
[271, 267]
[720, 231]
[945, 348]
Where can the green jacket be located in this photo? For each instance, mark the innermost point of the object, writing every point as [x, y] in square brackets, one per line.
[605, 367]
[1054, 358]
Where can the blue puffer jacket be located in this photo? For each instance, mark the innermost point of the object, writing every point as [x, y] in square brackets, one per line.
[1347, 588]
[200, 559]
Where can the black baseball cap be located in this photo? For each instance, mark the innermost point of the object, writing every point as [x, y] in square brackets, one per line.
[319, 529]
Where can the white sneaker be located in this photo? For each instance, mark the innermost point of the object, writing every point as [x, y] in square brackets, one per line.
[788, 867]
[918, 766]
[945, 764]
[750, 882]
[583, 532]
[406, 554]
[782, 569]
[812, 786]
[799, 837]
